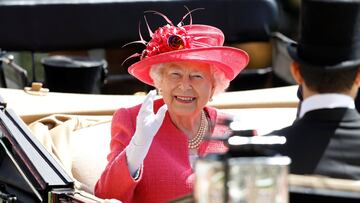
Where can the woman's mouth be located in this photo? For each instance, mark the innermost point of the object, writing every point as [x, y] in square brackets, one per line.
[185, 99]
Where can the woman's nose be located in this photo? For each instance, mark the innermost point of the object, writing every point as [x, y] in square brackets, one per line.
[185, 83]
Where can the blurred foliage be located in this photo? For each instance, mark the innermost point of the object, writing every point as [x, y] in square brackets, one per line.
[24, 59]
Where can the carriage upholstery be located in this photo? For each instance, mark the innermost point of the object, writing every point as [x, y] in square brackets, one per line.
[79, 143]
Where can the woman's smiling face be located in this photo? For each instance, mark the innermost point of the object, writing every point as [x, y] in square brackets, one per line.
[186, 87]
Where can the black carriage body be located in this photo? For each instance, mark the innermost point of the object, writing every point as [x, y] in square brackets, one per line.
[28, 173]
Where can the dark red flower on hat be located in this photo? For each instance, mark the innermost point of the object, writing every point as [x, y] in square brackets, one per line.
[175, 42]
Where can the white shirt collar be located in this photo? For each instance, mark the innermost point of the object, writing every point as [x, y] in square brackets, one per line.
[321, 101]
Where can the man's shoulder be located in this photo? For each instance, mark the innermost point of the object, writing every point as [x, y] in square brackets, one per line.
[294, 127]
[319, 124]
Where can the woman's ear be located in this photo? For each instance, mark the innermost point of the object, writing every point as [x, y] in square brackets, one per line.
[159, 91]
[212, 93]
[295, 71]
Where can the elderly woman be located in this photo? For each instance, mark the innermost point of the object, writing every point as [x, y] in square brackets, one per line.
[154, 145]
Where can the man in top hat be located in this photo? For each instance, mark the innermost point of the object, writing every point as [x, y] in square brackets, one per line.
[325, 139]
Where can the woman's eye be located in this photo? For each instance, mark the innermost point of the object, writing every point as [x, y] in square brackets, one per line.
[175, 74]
[197, 76]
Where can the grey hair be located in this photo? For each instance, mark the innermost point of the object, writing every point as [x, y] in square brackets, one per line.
[220, 81]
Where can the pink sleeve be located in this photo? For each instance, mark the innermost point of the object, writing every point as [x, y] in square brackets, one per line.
[116, 181]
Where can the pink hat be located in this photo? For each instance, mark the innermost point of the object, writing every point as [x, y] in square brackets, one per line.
[201, 43]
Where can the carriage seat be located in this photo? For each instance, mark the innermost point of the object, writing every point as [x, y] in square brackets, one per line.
[79, 143]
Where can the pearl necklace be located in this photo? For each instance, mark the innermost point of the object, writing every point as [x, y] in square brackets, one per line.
[195, 141]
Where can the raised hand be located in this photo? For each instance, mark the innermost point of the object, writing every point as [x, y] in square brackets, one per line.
[147, 122]
[147, 125]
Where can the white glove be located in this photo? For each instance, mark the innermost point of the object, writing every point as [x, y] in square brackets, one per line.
[147, 125]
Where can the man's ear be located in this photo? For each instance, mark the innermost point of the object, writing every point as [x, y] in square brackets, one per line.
[295, 71]
[357, 79]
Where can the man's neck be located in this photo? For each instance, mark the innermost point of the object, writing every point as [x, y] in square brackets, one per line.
[307, 92]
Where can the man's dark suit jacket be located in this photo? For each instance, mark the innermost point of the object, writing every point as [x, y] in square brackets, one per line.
[324, 142]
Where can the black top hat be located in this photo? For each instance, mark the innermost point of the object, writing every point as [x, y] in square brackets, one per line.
[329, 34]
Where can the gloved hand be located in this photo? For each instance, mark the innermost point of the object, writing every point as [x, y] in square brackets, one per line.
[147, 125]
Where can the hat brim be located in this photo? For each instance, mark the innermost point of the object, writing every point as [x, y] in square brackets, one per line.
[292, 50]
[227, 59]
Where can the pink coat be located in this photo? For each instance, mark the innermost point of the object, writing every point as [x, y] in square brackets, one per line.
[166, 173]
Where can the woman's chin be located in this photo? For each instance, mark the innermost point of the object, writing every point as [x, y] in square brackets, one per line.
[184, 111]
